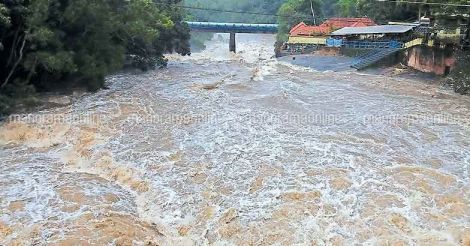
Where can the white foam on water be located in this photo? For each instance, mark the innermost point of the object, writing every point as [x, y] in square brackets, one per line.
[289, 179]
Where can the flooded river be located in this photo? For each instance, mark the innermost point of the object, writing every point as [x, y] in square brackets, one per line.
[241, 150]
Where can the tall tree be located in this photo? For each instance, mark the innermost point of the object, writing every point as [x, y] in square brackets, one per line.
[293, 12]
[4, 21]
[348, 8]
[382, 12]
[206, 11]
[4, 17]
[62, 43]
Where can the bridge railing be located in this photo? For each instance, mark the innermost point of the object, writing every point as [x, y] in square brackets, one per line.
[360, 44]
[233, 27]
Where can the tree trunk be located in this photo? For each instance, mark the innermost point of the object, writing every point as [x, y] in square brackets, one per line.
[12, 71]
[13, 47]
[313, 13]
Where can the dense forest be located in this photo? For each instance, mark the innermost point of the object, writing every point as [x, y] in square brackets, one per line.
[266, 10]
[59, 44]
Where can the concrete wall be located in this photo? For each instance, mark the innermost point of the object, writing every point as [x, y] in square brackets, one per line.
[430, 59]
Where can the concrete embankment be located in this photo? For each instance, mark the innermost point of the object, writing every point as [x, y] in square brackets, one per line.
[434, 60]
[430, 59]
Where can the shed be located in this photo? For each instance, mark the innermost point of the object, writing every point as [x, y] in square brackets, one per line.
[400, 33]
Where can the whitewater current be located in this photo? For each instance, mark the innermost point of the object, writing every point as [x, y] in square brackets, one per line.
[240, 149]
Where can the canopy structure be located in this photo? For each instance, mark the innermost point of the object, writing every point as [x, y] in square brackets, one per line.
[384, 29]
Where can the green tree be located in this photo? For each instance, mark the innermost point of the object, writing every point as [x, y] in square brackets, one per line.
[4, 20]
[293, 12]
[383, 12]
[348, 8]
[4, 17]
[267, 8]
[50, 44]
[459, 78]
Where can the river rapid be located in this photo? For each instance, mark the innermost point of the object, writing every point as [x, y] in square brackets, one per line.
[241, 149]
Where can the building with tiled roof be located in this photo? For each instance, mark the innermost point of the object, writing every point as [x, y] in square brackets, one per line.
[329, 26]
[338, 23]
[303, 29]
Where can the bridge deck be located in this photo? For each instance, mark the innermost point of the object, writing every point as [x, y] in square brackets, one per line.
[233, 27]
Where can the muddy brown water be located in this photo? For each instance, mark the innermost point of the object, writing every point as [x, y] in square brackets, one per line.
[241, 150]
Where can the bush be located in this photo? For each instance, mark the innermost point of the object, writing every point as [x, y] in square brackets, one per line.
[459, 78]
[16, 94]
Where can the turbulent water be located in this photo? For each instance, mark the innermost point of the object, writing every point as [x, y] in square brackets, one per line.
[241, 150]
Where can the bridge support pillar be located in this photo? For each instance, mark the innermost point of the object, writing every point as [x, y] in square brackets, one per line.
[232, 45]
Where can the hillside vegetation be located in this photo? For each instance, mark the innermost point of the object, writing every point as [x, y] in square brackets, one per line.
[268, 7]
[50, 44]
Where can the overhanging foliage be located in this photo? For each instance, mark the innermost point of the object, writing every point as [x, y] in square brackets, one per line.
[48, 44]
